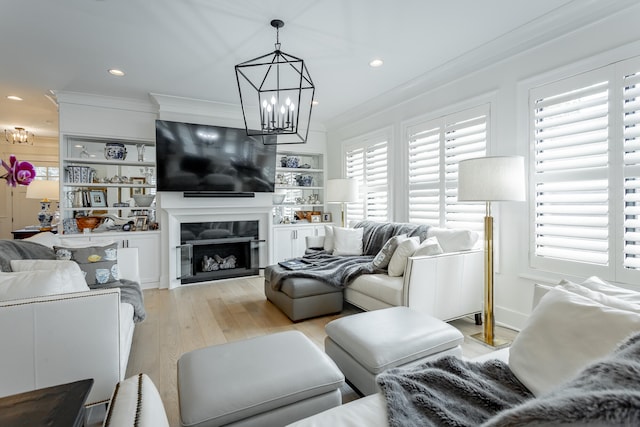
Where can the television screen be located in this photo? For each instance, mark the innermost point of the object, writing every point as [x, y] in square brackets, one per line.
[203, 158]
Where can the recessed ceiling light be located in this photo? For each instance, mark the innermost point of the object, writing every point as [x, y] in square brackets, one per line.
[116, 72]
[14, 98]
[375, 63]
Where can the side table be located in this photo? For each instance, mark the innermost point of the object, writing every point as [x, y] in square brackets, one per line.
[57, 406]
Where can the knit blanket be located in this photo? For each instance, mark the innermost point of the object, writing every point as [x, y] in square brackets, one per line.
[18, 249]
[451, 392]
[340, 271]
[130, 292]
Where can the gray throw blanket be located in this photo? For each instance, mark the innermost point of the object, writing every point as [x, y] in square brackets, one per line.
[18, 249]
[450, 392]
[340, 271]
[130, 291]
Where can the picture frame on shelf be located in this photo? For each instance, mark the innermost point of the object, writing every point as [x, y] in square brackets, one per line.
[141, 223]
[97, 198]
[326, 217]
[316, 218]
[137, 180]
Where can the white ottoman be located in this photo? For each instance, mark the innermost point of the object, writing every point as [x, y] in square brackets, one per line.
[272, 380]
[366, 344]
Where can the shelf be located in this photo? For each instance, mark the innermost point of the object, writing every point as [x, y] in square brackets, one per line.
[297, 170]
[296, 187]
[95, 161]
[109, 209]
[106, 184]
[293, 205]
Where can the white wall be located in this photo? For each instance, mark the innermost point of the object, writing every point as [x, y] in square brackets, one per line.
[503, 84]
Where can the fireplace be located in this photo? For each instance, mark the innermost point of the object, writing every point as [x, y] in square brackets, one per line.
[219, 250]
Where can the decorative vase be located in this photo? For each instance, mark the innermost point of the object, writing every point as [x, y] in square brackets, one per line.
[115, 151]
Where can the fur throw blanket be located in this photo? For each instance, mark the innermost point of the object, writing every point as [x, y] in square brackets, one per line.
[451, 392]
[340, 271]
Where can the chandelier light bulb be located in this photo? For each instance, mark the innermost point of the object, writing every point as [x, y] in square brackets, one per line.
[273, 100]
[264, 103]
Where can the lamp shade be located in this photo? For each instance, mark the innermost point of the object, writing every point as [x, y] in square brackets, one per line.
[489, 179]
[342, 190]
[42, 189]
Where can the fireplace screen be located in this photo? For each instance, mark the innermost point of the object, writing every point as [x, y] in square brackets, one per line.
[218, 250]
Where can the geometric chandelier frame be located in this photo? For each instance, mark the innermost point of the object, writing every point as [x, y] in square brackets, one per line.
[276, 95]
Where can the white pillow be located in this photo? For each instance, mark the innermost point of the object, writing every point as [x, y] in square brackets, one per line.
[45, 238]
[454, 239]
[564, 334]
[429, 246]
[328, 238]
[28, 284]
[599, 296]
[347, 241]
[399, 259]
[596, 284]
[73, 277]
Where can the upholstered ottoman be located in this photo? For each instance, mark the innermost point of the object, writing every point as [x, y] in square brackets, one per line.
[301, 298]
[366, 344]
[270, 380]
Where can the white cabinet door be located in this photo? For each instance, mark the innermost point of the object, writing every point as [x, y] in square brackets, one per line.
[290, 242]
[148, 256]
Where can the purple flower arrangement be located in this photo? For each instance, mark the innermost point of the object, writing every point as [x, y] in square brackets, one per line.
[18, 172]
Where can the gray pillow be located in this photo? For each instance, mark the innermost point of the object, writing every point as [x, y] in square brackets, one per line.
[383, 257]
[98, 263]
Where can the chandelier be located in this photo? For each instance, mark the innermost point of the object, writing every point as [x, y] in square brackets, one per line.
[19, 136]
[276, 95]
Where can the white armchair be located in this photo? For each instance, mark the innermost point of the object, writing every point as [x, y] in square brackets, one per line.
[62, 338]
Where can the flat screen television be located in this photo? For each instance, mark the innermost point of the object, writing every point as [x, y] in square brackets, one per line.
[202, 158]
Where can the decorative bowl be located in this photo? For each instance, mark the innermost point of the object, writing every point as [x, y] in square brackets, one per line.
[89, 222]
[278, 199]
[115, 151]
[144, 200]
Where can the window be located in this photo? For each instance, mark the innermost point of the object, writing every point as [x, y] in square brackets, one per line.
[51, 173]
[585, 169]
[435, 148]
[366, 162]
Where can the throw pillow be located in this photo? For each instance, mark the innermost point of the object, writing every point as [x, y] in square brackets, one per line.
[383, 257]
[404, 250]
[99, 263]
[453, 239]
[328, 238]
[564, 334]
[73, 277]
[29, 284]
[430, 246]
[347, 241]
[597, 284]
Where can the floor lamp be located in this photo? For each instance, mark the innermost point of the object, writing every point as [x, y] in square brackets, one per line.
[490, 179]
[342, 190]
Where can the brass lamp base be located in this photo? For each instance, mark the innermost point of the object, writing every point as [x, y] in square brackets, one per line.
[497, 343]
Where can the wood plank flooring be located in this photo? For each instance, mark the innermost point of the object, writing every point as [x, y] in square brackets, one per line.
[197, 316]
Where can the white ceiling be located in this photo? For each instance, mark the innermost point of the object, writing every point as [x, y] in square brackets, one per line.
[188, 48]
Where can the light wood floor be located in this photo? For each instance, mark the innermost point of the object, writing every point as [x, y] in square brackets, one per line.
[197, 316]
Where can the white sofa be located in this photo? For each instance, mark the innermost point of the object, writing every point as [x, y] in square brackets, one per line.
[446, 286]
[62, 338]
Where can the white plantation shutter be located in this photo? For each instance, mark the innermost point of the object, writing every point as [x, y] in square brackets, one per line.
[631, 171]
[570, 174]
[434, 150]
[366, 162]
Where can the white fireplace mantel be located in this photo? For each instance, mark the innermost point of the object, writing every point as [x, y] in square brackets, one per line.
[175, 209]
